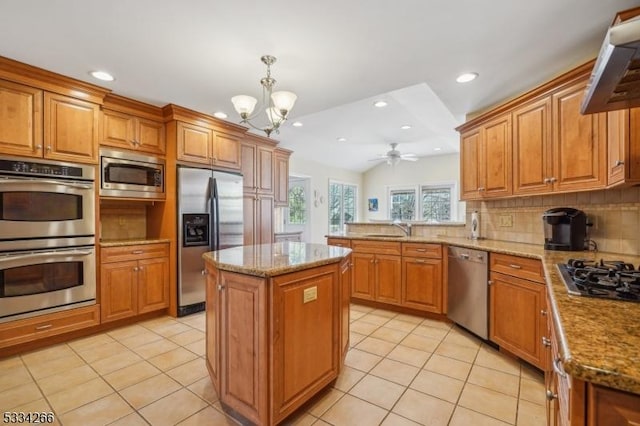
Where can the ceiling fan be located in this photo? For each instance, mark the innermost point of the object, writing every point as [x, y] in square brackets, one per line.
[394, 156]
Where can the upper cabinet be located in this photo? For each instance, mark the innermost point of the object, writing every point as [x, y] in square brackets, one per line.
[623, 134]
[281, 176]
[20, 119]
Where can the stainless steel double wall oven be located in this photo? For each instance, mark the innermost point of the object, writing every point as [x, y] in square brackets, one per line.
[47, 237]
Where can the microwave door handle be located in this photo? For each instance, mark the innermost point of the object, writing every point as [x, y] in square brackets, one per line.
[49, 182]
[45, 254]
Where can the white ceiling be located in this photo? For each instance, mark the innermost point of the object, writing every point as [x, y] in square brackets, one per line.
[338, 56]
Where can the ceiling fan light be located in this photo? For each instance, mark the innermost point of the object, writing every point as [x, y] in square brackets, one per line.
[283, 100]
[243, 104]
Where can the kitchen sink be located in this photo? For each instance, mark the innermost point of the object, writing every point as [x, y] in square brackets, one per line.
[383, 235]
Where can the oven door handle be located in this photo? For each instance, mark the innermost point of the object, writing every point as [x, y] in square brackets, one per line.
[45, 254]
[50, 182]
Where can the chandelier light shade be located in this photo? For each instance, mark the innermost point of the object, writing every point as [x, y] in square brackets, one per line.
[277, 105]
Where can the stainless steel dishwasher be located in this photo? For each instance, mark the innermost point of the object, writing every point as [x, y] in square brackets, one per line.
[468, 295]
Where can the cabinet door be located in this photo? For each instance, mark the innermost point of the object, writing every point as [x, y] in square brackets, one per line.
[612, 407]
[422, 284]
[71, 129]
[226, 151]
[20, 120]
[345, 305]
[532, 148]
[194, 143]
[118, 290]
[250, 217]
[153, 284]
[281, 190]
[212, 306]
[265, 222]
[248, 166]
[117, 129]
[265, 170]
[470, 164]
[495, 158]
[363, 275]
[514, 318]
[150, 136]
[579, 142]
[388, 278]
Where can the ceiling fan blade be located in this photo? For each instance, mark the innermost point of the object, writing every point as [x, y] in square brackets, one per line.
[409, 158]
[378, 159]
[408, 155]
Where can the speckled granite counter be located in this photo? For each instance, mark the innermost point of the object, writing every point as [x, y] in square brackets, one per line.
[599, 339]
[268, 260]
[132, 242]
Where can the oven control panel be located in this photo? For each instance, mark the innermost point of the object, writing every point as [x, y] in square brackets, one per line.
[16, 166]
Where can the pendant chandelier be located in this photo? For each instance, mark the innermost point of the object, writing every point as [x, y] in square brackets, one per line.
[277, 105]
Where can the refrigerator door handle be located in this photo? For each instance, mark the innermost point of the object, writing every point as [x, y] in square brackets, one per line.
[212, 212]
[217, 210]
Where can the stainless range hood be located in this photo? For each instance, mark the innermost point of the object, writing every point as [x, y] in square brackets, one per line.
[615, 80]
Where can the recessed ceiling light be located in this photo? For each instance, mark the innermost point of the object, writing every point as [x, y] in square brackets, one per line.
[379, 104]
[467, 77]
[297, 124]
[437, 149]
[405, 127]
[220, 114]
[341, 139]
[102, 75]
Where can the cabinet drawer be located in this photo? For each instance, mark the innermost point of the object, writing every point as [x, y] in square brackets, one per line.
[340, 242]
[521, 267]
[376, 247]
[134, 252]
[422, 250]
[22, 331]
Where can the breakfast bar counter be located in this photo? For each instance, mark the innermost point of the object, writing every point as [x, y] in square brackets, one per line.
[267, 305]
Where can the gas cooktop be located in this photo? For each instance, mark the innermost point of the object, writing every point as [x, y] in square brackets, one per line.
[607, 279]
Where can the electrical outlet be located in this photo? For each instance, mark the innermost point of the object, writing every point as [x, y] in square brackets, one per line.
[505, 221]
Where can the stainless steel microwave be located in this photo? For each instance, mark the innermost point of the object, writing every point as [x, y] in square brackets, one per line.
[128, 175]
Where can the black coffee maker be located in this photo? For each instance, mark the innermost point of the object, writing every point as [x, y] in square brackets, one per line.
[564, 229]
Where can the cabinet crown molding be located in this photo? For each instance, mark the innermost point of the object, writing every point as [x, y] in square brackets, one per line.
[133, 107]
[176, 112]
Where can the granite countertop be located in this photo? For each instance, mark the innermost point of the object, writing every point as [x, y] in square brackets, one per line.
[599, 339]
[269, 260]
[132, 242]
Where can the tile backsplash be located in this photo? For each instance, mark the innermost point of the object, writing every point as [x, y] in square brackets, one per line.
[122, 222]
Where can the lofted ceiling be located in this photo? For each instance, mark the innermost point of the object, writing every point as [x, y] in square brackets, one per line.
[338, 56]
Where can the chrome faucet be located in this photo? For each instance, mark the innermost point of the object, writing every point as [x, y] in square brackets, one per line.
[406, 228]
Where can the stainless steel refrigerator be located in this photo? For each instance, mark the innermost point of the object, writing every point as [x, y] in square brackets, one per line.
[209, 218]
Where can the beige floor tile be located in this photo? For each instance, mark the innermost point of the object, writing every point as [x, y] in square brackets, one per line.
[408, 355]
[465, 417]
[61, 381]
[199, 347]
[376, 346]
[491, 403]
[19, 395]
[532, 391]
[172, 359]
[463, 338]
[355, 338]
[461, 353]
[172, 408]
[189, 372]
[170, 328]
[393, 419]
[197, 321]
[361, 308]
[127, 331]
[100, 412]
[40, 406]
[12, 362]
[205, 390]
[47, 354]
[98, 352]
[410, 318]
[209, 416]
[389, 334]
[362, 327]
[377, 391]
[14, 376]
[422, 343]
[531, 373]
[437, 324]
[424, 409]
[152, 349]
[130, 375]
[448, 366]
[149, 390]
[299, 418]
[495, 380]
[349, 411]
[140, 339]
[432, 332]
[397, 324]
[489, 357]
[187, 337]
[76, 396]
[133, 419]
[347, 378]
[384, 313]
[395, 371]
[90, 341]
[116, 362]
[434, 384]
[354, 315]
[361, 360]
[41, 369]
[321, 422]
[530, 414]
[323, 401]
[375, 319]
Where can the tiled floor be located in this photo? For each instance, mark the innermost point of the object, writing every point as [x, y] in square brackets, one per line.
[401, 370]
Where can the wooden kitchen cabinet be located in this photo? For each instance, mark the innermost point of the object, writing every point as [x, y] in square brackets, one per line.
[257, 168]
[608, 406]
[422, 286]
[127, 131]
[258, 218]
[623, 142]
[204, 145]
[346, 268]
[133, 280]
[20, 120]
[340, 242]
[281, 177]
[377, 271]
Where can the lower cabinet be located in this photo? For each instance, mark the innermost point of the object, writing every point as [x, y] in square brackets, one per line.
[422, 286]
[258, 218]
[377, 271]
[133, 280]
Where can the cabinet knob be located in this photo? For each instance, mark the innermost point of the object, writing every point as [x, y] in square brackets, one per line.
[203, 272]
[552, 180]
[220, 287]
[619, 163]
[546, 342]
[543, 312]
[550, 395]
[140, 268]
[48, 147]
[481, 189]
[38, 147]
[135, 269]
[490, 282]
[547, 180]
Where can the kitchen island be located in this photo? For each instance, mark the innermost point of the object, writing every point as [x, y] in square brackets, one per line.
[277, 325]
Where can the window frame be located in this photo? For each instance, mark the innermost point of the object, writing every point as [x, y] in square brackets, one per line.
[307, 204]
[417, 190]
[342, 210]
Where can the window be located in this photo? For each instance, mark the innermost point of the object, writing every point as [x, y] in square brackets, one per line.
[342, 205]
[403, 204]
[436, 203]
[297, 206]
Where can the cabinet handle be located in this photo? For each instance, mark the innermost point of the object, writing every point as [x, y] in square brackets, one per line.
[547, 180]
[220, 287]
[38, 147]
[489, 282]
[137, 252]
[543, 312]
[48, 147]
[140, 268]
[420, 261]
[550, 395]
[619, 163]
[203, 272]
[43, 327]
[514, 266]
[552, 180]
[557, 367]
[135, 269]
[481, 189]
[372, 260]
[421, 250]
[546, 342]
[351, 264]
